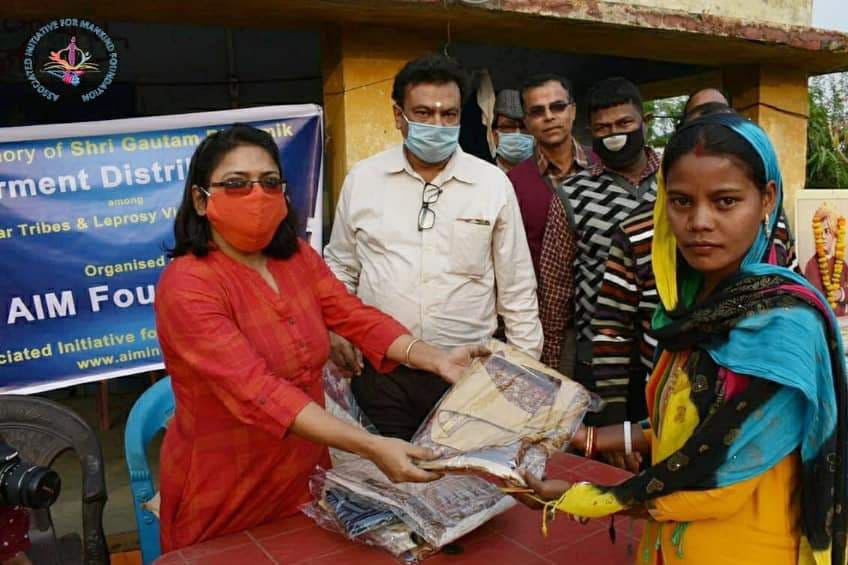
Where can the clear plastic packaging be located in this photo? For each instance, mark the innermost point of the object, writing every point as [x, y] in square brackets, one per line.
[340, 402]
[440, 512]
[506, 414]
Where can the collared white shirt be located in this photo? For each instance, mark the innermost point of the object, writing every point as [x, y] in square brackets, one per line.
[448, 283]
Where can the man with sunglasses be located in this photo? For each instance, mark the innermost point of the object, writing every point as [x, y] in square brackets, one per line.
[589, 208]
[432, 236]
[549, 112]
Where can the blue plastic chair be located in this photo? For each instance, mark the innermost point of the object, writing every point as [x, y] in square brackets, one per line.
[147, 417]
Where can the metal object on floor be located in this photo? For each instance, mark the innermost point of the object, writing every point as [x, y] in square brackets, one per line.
[41, 430]
[148, 416]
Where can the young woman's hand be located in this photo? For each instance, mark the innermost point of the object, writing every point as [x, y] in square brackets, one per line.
[578, 440]
[453, 362]
[542, 490]
[395, 458]
[549, 489]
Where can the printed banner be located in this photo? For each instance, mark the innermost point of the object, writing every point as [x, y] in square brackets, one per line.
[86, 213]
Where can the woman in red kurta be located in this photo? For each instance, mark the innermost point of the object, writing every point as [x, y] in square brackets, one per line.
[242, 314]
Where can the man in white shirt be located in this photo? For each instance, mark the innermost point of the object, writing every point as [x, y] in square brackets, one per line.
[432, 236]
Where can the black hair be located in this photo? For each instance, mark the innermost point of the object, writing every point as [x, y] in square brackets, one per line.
[538, 80]
[710, 136]
[434, 69]
[705, 109]
[192, 232]
[613, 91]
[687, 109]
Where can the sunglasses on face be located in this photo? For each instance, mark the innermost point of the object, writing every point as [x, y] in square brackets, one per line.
[540, 111]
[242, 187]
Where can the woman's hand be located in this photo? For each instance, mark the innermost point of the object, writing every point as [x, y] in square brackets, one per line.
[394, 457]
[452, 363]
[578, 440]
[542, 489]
[346, 357]
[550, 489]
[546, 490]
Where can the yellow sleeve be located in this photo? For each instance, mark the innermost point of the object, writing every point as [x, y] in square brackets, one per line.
[693, 505]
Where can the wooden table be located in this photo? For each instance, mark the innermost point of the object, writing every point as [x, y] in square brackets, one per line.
[511, 538]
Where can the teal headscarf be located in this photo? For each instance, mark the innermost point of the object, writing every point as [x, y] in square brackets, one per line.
[796, 347]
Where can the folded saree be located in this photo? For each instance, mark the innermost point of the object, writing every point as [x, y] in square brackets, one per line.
[507, 413]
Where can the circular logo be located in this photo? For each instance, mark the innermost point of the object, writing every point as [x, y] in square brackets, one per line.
[70, 57]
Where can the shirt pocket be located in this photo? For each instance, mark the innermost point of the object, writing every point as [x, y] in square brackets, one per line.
[470, 247]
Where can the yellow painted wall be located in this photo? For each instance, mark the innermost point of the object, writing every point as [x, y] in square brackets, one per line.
[776, 98]
[797, 12]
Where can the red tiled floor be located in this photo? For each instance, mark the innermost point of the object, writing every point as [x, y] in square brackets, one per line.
[290, 524]
[356, 554]
[525, 528]
[497, 549]
[299, 545]
[252, 554]
[602, 474]
[214, 546]
[596, 549]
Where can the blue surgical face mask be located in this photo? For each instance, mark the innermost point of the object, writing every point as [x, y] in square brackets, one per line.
[431, 144]
[515, 147]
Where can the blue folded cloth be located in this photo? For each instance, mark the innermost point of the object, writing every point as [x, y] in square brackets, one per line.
[356, 516]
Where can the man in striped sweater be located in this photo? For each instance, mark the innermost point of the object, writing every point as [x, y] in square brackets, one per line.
[588, 209]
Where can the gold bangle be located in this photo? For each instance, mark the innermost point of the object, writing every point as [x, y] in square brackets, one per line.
[409, 350]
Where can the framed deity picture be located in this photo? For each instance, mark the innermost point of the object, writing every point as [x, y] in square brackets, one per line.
[821, 217]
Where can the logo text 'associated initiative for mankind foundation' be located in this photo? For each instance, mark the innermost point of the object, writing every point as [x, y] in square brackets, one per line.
[72, 56]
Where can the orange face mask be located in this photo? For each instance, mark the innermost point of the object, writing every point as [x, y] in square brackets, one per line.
[248, 223]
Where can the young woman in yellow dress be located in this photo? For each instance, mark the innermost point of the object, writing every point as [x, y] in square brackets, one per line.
[747, 407]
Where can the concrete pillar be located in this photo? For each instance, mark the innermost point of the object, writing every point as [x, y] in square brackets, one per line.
[776, 98]
[359, 65]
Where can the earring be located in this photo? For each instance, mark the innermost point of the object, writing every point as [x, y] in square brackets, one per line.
[766, 221]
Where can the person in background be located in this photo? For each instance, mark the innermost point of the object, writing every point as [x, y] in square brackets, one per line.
[748, 417]
[512, 142]
[705, 101]
[589, 207]
[14, 536]
[242, 314]
[549, 112]
[433, 236]
[622, 347]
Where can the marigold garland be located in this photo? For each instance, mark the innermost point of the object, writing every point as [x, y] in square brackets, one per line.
[830, 280]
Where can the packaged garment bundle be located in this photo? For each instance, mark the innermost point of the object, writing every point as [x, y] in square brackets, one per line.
[507, 413]
[340, 402]
[396, 537]
[436, 513]
[356, 515]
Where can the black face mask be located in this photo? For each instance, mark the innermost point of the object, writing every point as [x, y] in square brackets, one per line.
[629, 146]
